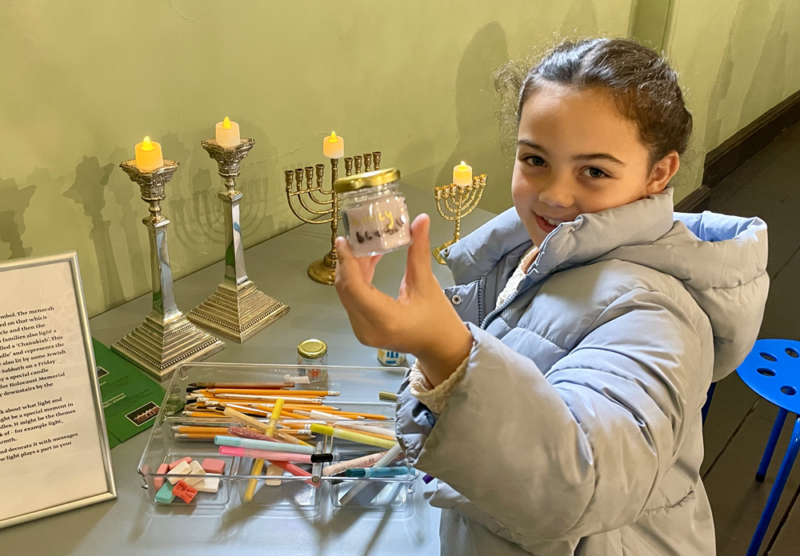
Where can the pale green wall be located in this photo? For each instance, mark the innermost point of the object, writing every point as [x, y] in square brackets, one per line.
[737, 59]
[84, 80]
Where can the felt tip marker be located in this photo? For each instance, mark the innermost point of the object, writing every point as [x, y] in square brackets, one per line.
[376, 472]
[262, 445]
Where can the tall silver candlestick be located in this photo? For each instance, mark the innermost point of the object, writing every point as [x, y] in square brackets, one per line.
[166, 338]
[237, 309]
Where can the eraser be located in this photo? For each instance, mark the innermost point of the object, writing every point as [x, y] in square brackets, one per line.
[297, 379]
[274, 471]
[215, 466]
[184, 491]
[164, 494]
[195, 469]
[182, 468]
[209, 484]
[175, 463]
[159, 481]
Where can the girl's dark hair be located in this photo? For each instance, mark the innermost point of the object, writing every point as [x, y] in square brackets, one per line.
[641, 82]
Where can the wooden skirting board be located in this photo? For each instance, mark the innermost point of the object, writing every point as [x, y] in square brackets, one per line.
[733, 152]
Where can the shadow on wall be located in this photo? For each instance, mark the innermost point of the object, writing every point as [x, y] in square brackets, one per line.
[12, 216]
[580, 22]
[476, 117]
[88, 190]
[126, 195]
[477, 105]
[768, 77]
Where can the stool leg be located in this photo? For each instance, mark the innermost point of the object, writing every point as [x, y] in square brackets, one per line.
[770, 449]
[777, 489]
[709, 397]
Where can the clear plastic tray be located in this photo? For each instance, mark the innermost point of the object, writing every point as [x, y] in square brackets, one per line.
[358, 387]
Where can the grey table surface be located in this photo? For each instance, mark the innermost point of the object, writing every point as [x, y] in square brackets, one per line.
[132, 525]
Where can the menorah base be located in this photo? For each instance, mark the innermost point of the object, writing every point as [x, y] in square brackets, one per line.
[160, 347]
[237, 313]
[324, 270]
[436, 251]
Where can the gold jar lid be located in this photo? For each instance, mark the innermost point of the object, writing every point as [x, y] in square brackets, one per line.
[367, 179]
[312, 349]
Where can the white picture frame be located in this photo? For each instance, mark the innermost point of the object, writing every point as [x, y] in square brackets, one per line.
[45, 486]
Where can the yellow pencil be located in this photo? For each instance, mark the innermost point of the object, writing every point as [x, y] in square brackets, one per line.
[368, 433]
[353, 436]
[258, 464]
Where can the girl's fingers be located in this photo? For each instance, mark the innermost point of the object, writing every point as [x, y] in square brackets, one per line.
[368, 265]
[355, 290]
[348, 269]
[418, 263]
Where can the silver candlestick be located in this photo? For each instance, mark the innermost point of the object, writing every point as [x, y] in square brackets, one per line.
[166, 338]
[237, 309]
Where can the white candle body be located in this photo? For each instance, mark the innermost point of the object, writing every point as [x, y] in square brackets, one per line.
[462, 174]
[151, 159]
[228, 137]
[333, 147]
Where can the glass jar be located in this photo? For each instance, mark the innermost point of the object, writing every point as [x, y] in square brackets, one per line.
[374, 213]
[312, 353]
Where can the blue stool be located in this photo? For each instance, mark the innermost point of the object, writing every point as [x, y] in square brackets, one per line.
[772, 370]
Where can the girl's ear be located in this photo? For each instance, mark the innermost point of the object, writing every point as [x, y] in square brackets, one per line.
[662, 172]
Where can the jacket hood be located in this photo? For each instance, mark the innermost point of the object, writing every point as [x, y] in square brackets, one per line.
[721, 260]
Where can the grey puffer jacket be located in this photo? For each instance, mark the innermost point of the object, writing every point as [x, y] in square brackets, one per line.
[577, 427]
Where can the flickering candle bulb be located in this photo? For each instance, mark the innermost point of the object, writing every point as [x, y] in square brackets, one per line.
[333, 146]
[228, 134]
[462, 174]
[148, 155]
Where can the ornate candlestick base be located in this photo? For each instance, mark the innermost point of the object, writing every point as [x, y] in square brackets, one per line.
[166, 338]
[238, 313]
[458, 201]
[237, 309]
[160, 346]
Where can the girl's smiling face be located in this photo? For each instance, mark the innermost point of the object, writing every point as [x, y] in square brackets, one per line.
[577, 154]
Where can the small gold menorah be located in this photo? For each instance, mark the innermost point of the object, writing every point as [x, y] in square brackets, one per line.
[324, 270]
[454, 202]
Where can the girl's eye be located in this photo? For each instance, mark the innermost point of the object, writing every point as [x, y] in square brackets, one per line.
[595, 173]
[535, 160]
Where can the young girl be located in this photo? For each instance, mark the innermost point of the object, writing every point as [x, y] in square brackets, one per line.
[565, 417]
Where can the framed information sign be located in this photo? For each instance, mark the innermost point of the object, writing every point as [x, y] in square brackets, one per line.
[54, 453]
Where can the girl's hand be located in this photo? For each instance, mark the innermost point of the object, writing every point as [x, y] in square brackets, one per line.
[421, 321]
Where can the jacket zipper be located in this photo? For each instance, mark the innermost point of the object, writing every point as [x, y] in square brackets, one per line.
[510, 299]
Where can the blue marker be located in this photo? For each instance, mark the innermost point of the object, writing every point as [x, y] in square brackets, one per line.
[377, 472]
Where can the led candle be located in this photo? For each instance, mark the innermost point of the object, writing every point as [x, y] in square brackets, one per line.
[228, 134]
[148, 155]
[462, 174]
[333, 146]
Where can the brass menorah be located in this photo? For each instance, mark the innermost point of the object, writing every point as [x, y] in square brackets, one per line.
[323, 270]
[454, 202]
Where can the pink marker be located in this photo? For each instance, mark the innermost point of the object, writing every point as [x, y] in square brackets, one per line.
[296, 471]
[263, 454]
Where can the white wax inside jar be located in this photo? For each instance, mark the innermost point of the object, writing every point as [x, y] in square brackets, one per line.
[378, 226]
